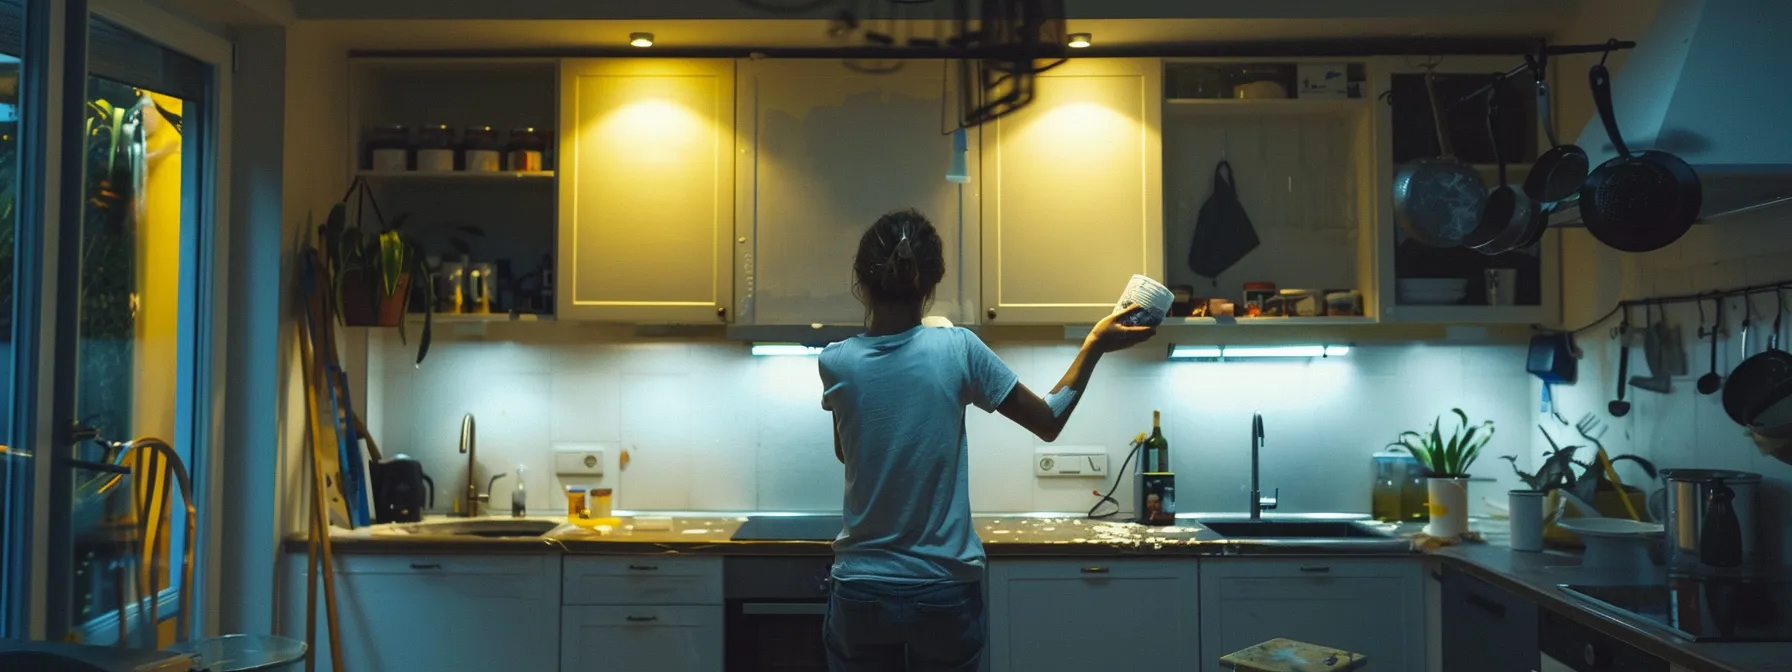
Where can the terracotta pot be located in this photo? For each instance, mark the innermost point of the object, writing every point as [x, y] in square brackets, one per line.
[360, 307]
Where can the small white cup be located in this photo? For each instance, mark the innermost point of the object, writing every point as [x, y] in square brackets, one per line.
[1526, 507]
[1153, 297]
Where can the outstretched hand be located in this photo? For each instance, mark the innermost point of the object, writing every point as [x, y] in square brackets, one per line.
[1110, 334]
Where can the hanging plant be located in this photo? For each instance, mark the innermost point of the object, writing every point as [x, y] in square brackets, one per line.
[374, 270]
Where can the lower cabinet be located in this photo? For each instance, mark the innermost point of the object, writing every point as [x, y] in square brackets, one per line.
[1094, 614]
[1372, 607]
[665, 639]
[1486, 629]
[443, 613]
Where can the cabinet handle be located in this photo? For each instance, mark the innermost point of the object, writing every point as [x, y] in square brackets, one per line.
[1498, 610]
[1095, 570]
[643, 619]
[992, 313]
[644, 568]
[1315, 569]
[721, 311]
[422, 565]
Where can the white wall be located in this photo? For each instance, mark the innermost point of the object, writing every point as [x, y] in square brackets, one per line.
[709, 427]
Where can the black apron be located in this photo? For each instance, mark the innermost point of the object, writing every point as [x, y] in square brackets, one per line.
[1223, 233]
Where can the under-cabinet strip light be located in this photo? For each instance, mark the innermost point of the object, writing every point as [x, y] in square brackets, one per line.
[1224, 352]
[784, 350]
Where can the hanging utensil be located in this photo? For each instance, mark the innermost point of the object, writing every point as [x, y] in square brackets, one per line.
[1710, 383]
[1655, 344]
[1620, 408]
[1438, 201]
[1636, 202]
[1506, 213]
[1762, 380]
[1561, 171]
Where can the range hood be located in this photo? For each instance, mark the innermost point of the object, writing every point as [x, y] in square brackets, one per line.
[1711, 83]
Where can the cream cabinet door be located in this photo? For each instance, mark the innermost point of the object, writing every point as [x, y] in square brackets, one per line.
[825, 151]
[1073, 204]
[646, 190]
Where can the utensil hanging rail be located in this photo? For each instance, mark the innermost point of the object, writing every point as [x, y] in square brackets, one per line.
[1716, 294]
[1538, 59]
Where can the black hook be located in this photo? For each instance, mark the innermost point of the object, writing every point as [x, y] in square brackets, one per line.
[1610, 46]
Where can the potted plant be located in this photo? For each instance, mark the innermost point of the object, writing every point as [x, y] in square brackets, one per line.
[374, 270]
[1446, 460]
[1584, 479]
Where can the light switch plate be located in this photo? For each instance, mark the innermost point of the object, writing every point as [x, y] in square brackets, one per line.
[1070, 461]
[580, 461]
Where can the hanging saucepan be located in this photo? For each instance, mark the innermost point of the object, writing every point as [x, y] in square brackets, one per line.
[1762, 381]
[1561, 171]
[1507, 212]
[1438, 201]
[1636, 202]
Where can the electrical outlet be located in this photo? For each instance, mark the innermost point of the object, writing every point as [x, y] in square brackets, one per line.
[1070, 461]
[580, 461]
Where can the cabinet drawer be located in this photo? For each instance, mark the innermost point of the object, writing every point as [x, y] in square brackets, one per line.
[658, 580]
[444, 565]
[1093, 569]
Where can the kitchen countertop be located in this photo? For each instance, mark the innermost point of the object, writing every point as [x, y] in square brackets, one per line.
[1533, 576]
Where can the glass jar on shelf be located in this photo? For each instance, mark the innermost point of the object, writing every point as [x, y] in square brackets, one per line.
[481, 151]
[389, 148]
[435, 149]
[527, 150]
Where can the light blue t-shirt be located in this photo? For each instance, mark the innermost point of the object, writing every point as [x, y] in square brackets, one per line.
[898, 403]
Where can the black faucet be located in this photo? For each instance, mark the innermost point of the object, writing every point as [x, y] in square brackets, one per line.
[1259, 503]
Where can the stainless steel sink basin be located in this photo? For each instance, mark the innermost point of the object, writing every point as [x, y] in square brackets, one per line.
[490, 528]
[1294, 529]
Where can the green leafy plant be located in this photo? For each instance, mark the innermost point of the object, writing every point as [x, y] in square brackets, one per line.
[1558, 471]
[1447, 457]
[387, 262]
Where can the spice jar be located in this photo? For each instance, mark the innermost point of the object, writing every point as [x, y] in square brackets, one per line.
[481, 152]
[1257, 297]
[600, 503]
[435, 149]
[389, 148]
[526, 149]
[576, 506]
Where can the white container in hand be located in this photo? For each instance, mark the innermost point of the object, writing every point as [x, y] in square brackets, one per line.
[1153, 298]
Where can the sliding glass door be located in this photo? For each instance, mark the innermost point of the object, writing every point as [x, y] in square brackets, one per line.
[23, 160]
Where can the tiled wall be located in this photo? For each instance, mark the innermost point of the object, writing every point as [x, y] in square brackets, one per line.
[1684, 428]
[710, 427]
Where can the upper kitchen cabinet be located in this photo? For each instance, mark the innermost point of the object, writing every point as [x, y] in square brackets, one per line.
[1293, 143]
[825, 149]
[459, 147]
[1420, 283]
[646, 166]
[1072, 204]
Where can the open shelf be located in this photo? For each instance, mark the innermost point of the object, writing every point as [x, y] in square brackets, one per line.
[542, 176]
[1268, 106]
[1265, 321]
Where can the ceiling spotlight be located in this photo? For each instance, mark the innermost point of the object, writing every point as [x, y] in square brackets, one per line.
[1079, 40]
[640, 39]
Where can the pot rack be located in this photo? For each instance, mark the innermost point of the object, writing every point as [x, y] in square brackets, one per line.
[1359, 48]
[1539, 58]
[1713, 295]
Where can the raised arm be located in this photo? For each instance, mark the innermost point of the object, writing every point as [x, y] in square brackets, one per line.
[1035, 413]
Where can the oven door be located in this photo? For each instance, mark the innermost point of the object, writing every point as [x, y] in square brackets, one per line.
[775, 636]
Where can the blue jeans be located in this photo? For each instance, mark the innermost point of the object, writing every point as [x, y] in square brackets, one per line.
[878, 626]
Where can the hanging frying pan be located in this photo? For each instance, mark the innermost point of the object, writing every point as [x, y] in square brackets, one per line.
[1636, 202]
[1561, 171]
[1762, 380]
[1507, 211]
[1438, 201]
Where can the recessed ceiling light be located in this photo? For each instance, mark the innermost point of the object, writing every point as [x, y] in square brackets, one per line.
[640, 39]
[1079, 40]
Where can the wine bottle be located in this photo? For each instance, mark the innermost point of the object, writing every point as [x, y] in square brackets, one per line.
[1157, 445]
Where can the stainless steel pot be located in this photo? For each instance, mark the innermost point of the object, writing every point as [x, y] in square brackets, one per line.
[1710, 519]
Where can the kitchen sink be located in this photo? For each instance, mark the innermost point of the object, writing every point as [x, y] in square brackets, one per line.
[494, 528]
[1294, 529]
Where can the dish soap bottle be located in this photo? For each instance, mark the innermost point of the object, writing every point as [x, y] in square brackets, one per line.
[519, 498]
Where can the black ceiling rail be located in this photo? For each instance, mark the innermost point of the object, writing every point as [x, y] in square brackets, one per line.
[1326, 48]
[1539, 56]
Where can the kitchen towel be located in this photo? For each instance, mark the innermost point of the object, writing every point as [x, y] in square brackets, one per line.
[1153, 298]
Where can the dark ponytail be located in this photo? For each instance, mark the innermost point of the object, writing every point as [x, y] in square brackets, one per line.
[901, 260]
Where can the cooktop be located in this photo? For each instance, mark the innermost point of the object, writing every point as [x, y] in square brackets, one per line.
[1703, 609]
[789, 528]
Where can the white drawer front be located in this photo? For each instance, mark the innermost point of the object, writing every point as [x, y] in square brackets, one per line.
[622, 580]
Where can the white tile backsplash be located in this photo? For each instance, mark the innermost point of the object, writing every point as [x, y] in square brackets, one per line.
[708, 426]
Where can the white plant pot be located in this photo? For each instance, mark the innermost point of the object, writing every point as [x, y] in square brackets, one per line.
[1449, 507]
